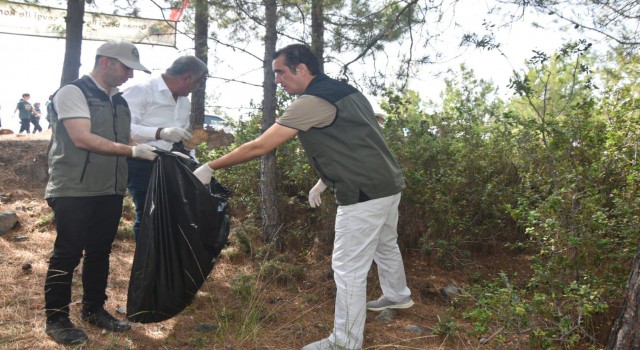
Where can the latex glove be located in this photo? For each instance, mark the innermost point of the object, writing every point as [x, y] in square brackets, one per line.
[315, 192]
[144, 151]
[204, 173]
[175, 134]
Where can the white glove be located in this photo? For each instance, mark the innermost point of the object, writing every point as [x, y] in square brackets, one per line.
[204, 173]
[144, 151]
[175, 134]
[314, 194]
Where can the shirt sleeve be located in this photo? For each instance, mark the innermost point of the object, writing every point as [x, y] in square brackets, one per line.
[137, 100]
[71, 103]
[308, 112]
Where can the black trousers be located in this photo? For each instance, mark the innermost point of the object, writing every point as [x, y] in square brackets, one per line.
[36, 124]
[25, 125]
[86, 228]
[137, 184]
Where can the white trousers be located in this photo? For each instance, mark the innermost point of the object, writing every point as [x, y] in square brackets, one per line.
[365, 232]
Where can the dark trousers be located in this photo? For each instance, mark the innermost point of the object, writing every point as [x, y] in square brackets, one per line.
[137, 184]
[84, 225]
[36, 124]
[25, 124]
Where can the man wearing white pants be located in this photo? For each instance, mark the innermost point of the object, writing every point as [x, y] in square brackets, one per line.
[365, 232]
[338, 130]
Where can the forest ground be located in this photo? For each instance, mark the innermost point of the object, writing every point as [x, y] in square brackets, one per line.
[273, 316]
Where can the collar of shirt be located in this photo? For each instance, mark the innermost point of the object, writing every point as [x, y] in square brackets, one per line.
[110, 93]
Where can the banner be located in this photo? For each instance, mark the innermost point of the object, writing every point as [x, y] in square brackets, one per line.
[25, 19]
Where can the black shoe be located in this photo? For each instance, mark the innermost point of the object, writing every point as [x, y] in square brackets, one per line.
[64, 332]
[104, 320]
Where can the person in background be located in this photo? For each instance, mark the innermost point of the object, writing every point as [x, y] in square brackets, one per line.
[337, 128]
[160, 110]
[88, 172]
[49, 107]
[35, 117]
[24, 109]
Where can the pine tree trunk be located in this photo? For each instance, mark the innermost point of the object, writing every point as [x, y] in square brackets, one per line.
[317, 31]
[202, 52]
[73, 42]
[625, 334]
[268, 167]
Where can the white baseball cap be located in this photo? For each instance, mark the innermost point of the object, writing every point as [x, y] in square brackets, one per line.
[123, 51]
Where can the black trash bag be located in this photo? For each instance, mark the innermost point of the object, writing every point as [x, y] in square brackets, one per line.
[185, 225]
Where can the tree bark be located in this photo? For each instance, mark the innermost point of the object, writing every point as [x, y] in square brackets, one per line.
[73, 42]
[268, 166]
[625, 333]
[317, 31]
[202, 52]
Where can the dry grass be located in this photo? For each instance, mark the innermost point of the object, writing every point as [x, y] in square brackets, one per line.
[256, 304]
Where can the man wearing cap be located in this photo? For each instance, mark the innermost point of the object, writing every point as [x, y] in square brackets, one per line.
[88, 175]
[160, 110]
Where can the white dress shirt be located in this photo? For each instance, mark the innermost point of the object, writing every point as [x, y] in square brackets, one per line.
[152, 106]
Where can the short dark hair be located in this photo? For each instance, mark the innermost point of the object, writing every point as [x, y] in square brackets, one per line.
[26, 94]
[298, 53]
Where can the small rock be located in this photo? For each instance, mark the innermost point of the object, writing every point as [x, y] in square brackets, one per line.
[450, 291]
[206, 327]
[19, 238]
[386, 315]
[26, 267]
[8, 220]
[483, 341]
[414, 329]
[121, 310]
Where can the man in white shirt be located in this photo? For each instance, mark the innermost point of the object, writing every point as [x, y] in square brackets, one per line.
[160, 110]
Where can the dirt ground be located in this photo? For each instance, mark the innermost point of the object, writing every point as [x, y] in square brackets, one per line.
[265, 316]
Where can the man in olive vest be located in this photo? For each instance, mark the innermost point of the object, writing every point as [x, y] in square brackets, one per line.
[341, 137]
[91, 126]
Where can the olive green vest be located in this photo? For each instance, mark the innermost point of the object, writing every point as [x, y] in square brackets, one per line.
[75, 172]
[350, 155]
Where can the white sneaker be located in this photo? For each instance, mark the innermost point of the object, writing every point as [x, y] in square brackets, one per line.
[323, 344]
[383, 303]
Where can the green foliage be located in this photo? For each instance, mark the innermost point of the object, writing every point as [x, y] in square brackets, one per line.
[241, 178]
[455, 162]
[45, 220]
[498, 304]
[564, 318]
[446, 327]
[281, 273]
[243, 286]
[553, 171]
[570, 199]
[548, 318]
[246, 288]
